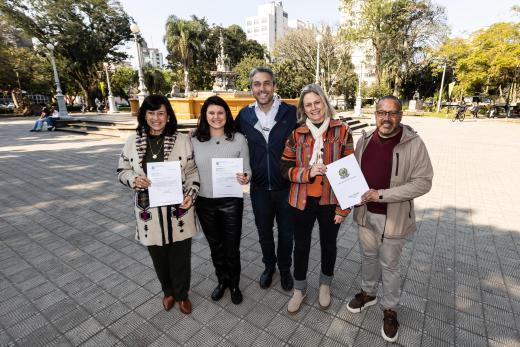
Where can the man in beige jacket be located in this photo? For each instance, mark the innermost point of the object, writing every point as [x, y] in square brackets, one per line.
[396, 165]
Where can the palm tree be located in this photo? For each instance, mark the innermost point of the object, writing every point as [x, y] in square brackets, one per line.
[182, 41]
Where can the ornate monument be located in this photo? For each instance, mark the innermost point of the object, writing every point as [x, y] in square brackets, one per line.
[189, 106]
[224, 77]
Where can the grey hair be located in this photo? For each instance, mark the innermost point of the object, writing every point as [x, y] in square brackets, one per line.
[392, 98]
[316, 89]
[259, 69]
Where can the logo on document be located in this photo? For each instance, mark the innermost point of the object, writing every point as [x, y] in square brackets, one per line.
[343, 173]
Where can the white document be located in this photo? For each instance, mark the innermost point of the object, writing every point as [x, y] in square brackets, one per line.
[347, 181]
[166, 188]
[224, 177]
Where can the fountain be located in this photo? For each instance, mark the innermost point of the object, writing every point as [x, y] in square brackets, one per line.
[224, 77]
[188, 107]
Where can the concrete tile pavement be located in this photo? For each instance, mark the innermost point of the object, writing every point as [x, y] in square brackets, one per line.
[71, 273]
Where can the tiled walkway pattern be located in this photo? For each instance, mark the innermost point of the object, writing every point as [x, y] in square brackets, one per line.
[71, 273]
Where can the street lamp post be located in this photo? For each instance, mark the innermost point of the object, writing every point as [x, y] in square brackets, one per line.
[143, 92]
[62, 107]
[319, 37]
[442, 86]
[111, 105]
[359, 100]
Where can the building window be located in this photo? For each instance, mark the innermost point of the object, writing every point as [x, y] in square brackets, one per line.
[264, 28]
[249, 23]
[264, 20]
[249, 30]
[256, 29]
[256, 21]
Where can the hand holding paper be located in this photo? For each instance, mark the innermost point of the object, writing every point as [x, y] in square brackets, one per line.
[166, 188]
[224, 177]
[347, 181]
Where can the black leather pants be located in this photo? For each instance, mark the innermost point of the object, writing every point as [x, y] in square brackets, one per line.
[221, 221]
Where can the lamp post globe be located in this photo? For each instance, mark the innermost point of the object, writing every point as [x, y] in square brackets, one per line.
[143, 92]
[62, 106]
[134, 28]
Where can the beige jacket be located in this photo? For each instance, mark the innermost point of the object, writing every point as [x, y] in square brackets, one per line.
[412, 175]
[158, 226]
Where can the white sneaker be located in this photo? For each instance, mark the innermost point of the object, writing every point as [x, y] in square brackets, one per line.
[324, 297]
[296, 301]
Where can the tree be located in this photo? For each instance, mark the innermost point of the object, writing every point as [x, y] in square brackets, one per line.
[85, 33]
[414, 26]
[193, 46]
[399, 31]
[155, 81]
[122, 80]
[243, 68]
[295, 55]
[488, 61]
[184, 40]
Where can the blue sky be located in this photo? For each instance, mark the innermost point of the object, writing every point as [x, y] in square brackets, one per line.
[464, 16]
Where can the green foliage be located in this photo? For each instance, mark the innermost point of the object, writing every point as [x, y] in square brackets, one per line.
[375, 91]
[399, 31]
[85, 33]
[122, 80]
[193, 45]
[34, 71]
[155, 81]
[243, 68]
[487, 62]
[295, 62]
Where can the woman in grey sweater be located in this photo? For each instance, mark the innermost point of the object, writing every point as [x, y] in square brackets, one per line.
[220, 217]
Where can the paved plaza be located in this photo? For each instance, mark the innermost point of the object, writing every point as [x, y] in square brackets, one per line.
[71, 273]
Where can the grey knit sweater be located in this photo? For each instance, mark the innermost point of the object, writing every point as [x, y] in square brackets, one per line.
[218, 147]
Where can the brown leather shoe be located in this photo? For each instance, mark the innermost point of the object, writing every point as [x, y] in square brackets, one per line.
[168, 302]
[185, 306]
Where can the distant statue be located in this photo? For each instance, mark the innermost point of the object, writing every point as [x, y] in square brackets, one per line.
[175, 89]
[132, 92]
[416, 95]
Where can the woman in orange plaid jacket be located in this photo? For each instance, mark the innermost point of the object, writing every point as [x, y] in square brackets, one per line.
[318, 141]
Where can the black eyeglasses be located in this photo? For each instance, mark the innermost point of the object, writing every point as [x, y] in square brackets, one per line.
[391, 114]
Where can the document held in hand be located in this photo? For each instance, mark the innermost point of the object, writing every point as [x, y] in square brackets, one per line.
[347, 181]
[166, 188]
[224, 177]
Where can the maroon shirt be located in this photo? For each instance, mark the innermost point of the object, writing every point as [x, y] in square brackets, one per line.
[376, 165]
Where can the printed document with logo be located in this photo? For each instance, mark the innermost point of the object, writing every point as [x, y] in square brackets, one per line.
[224, 177]
[347, 181]
[166, 188]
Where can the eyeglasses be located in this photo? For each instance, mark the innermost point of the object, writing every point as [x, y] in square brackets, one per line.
[391, 114]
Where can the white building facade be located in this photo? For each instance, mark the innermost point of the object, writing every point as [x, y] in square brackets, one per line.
[270, 24]
[363, 54]
[153, 57]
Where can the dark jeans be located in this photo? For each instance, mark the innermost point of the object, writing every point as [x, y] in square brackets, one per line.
[172, 263]
[268, 205]
[303, 223]
[221, 221]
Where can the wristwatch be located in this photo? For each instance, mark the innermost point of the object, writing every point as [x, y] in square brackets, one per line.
[380, 191]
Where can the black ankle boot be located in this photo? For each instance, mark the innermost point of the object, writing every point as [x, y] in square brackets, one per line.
[218, 292]
[236, 295]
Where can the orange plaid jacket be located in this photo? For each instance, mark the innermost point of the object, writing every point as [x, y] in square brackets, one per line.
[337, 143]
